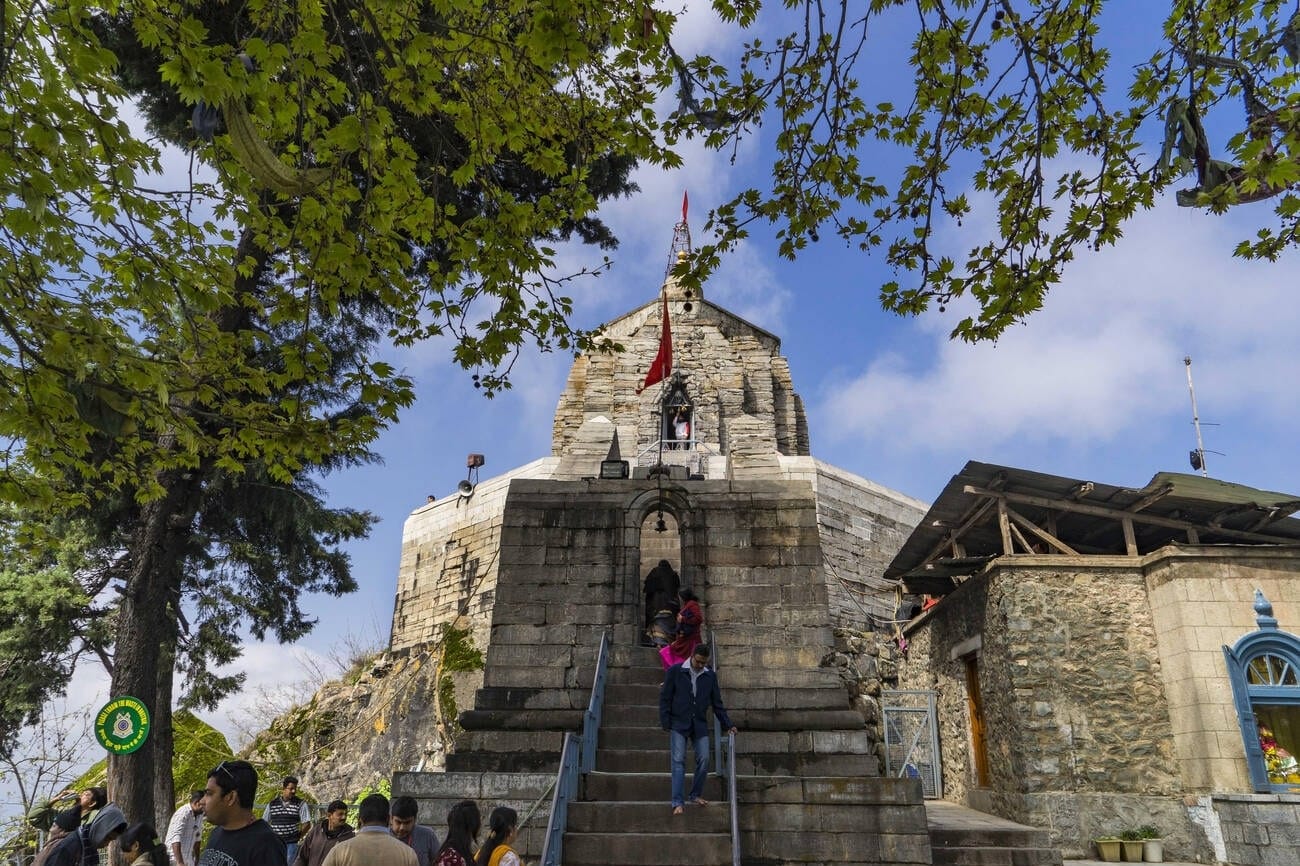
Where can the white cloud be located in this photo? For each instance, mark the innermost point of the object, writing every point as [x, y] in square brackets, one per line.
[1102, 359]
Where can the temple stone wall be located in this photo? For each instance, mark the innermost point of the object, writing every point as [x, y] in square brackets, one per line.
[448, 568]
[861, 526]
[1201, 600]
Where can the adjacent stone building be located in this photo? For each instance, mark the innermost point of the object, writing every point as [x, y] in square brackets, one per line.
[1107, 658]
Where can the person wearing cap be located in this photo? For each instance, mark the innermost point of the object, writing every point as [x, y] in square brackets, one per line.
[82, 847]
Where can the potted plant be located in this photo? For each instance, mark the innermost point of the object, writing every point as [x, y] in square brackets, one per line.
[1108, 848]
[1131, 846]
[1153, 847]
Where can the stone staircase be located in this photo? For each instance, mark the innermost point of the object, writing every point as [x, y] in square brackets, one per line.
[625, 818]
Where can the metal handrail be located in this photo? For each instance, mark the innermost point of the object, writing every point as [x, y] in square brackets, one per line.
[577, 757]
[733, 802]
[595, 706]
[566, 783]
[727, 769]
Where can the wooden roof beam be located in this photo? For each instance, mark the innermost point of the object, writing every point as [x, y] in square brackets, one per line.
[1276, 513]
[1043, 534]
[1216, 522]
[1117, 515]
[973, 515]
[1151, 498]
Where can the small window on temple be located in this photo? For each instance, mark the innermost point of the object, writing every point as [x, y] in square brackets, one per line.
[677, 419]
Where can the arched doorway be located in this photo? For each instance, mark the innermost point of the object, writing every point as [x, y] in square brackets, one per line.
[660, 565]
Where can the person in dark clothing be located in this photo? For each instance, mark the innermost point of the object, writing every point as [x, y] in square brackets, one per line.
[239, 838]
[661, 586]
[689, 690]
[81, 848]
[423, 841]
[324, 835]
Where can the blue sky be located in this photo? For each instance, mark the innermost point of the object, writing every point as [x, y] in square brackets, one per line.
[1093, 386]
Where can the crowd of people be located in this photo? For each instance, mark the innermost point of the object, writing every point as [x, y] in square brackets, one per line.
[387, 833]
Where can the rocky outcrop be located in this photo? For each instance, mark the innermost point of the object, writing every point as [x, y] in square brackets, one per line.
[396, 711]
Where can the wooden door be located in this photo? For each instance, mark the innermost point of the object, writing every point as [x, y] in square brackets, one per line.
[977, 730]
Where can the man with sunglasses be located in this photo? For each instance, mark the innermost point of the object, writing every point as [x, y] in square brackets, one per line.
[239, 838]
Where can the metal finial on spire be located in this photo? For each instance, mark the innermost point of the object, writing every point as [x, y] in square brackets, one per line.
[681, 248]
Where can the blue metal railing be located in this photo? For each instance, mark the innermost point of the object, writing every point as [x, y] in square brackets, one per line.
[732, 802]
[596, 704]
[566, 788]
[727, 768]
[577, 758]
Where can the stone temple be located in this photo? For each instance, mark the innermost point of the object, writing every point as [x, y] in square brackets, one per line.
[784, 550]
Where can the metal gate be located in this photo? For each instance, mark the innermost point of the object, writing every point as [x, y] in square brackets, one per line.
[912, 738]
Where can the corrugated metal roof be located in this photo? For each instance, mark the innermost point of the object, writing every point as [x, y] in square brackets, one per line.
[1219, 511]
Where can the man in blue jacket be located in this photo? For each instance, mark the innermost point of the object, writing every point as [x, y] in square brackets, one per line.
[689, 689]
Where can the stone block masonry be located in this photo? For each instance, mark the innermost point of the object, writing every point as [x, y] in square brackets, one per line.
[861, 526]
[450, 554]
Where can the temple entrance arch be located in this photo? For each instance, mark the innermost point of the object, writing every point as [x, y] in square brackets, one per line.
[659, 526]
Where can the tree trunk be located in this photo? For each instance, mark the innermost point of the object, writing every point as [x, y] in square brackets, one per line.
[142, 656]
[164, 787]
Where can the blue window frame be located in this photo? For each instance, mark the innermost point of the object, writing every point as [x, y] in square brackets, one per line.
[1264, 668]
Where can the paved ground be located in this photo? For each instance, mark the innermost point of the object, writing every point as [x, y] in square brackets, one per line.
[940, 814]
[1100, 863]
[949, 816]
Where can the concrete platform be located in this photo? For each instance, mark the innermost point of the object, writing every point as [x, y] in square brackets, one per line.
[1103, 863]
[942, 816]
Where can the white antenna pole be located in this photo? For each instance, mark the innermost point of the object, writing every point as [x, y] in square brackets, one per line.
[1196, 419]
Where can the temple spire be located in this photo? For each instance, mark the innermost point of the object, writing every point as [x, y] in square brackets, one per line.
[681, 250]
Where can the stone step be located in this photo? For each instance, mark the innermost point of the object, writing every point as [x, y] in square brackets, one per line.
[646, 849]
[989, 837]
[994, 856]
[777, 689]
[649, 738]
[758, 719]
[647, 817]
[625, 656]
[644, 716]
[643, 787]
[617, 694]
[652, 738]
[749, 764]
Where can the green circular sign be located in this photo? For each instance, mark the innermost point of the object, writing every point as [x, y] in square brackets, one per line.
[122, 725]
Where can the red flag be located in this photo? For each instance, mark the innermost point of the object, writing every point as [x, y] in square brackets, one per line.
[663, 362]
[684, 202]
